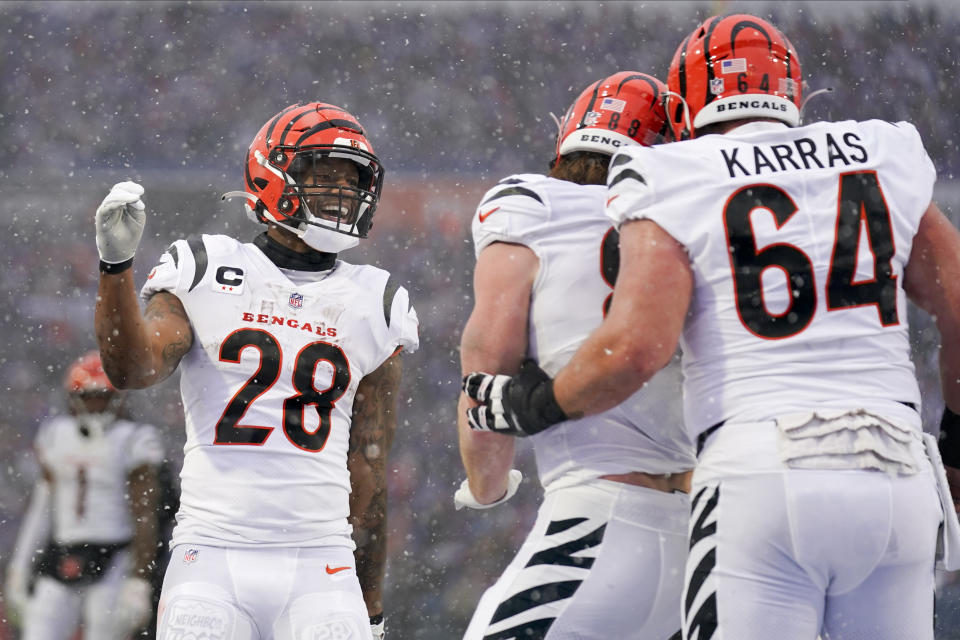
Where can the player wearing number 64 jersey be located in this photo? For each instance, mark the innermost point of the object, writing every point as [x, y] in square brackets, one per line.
[290, 368]
[780, 257]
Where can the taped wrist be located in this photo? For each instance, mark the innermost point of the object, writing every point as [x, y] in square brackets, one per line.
[949, 442]
[118, 267]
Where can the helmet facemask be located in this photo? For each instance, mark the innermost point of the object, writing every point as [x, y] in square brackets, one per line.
[94, 410]
[330, 193]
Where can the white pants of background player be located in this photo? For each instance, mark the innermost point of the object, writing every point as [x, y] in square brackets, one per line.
[262, 594]
[56, 609]
[789, 553]
[604, 560]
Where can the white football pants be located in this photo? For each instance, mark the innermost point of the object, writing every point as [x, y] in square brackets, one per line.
[787, 554]
[262, 593]
[604, 560]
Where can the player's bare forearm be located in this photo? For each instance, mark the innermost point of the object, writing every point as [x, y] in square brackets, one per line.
[371, 436]
[138, 349]
[142, 492]
[487, 457]
[494, 340]
[640, 333]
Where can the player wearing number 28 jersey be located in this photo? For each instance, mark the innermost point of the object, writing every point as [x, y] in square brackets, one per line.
[270, 390]
[290, 369]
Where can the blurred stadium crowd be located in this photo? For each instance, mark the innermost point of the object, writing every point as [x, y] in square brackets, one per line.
[454, 95]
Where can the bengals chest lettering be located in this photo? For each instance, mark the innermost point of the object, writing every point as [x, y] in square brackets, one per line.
[318, 328]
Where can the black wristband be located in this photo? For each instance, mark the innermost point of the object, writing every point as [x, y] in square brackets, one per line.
[531, 395]
[949, 442]
[119, 267]
[377, 619]
[546, 406]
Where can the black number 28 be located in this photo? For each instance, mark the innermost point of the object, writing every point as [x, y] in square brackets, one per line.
[228, 429]
[861, 205]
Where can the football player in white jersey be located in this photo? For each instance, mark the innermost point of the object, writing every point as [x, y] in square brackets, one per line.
[91, 527]
[781, 257]
[289, 370]
[605, 557]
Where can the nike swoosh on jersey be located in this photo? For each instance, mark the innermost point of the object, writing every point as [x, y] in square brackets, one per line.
[484, 215]
[612, 198]
[333, 570]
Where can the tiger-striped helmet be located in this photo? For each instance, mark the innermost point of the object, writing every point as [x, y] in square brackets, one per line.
[733, 67]
[292, 144]
[619, 110]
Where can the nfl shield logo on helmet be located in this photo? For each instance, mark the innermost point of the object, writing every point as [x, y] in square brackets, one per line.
[296, 301]
[716, 86]
[591, 118]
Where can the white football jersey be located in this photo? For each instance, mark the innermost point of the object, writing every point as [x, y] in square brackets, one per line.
[89, 498]
[797, 240]
[268, 389]
[564, 225]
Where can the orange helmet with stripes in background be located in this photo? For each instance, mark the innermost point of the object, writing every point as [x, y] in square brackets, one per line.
[730, 68]
[619, 110]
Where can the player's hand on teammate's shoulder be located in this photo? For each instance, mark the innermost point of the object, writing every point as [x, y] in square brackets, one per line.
[520, 405]
[120, 220]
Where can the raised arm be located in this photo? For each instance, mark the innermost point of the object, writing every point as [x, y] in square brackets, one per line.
[137, 350]
[371, 435]
[494, 340]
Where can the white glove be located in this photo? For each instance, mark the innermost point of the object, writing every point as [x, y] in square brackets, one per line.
[119, 220]
[376, 629]
[465, 498]
[15, 593]
[134, 605]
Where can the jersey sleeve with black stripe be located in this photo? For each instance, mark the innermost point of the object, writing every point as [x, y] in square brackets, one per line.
[630, 185]
[400, 316]
[180, 269]
[516, 210]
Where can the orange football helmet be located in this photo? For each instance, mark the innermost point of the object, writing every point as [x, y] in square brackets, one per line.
[86, 375]
[286, 150]
[92, 399]
[733, 67]
[619, 110]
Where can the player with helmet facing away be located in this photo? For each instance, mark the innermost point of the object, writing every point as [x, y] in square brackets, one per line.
[605, 556]
[781, 258]
[91, 526]
[290, 365]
